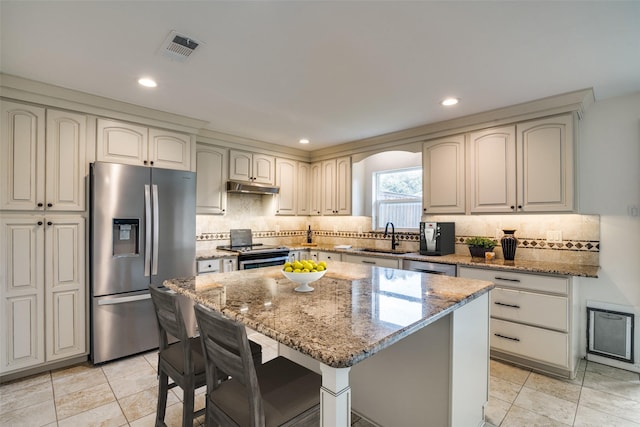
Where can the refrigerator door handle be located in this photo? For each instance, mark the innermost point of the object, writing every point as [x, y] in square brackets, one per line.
[122, 300]
[156, 231]
[147, 233]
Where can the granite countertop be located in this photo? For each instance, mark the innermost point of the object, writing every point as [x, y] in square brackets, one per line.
[560, 268]
[354, 311]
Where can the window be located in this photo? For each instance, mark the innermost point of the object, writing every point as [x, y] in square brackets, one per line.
[397, 197]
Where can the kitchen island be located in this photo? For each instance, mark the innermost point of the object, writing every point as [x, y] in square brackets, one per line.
[398, 347]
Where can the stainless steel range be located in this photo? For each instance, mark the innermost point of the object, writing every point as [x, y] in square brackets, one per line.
[254, 255]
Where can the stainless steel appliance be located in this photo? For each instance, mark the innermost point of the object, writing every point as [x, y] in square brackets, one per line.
[437, 238]
[430, 267]
[254, 255]
[142, 232]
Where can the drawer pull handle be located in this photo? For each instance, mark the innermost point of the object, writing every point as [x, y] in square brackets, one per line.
[508, 280]
[506, 305]
[507, 338]
[368, 262]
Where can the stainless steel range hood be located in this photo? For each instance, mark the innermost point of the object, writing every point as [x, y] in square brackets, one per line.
[246, 187]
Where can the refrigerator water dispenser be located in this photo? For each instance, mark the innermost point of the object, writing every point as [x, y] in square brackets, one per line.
[125, 237]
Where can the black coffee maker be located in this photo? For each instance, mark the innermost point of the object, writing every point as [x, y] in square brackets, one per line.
[437, 238]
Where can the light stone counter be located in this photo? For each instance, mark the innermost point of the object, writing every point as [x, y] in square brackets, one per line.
[354, 312]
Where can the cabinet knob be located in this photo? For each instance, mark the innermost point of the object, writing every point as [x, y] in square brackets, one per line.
[512, 207]
[151, 162]
[49, 204]
[144, 162]
[40, 205]
[519, 206]
[39, 222]
[49, 223]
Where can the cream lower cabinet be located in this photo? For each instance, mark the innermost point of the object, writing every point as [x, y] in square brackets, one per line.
[42, 161]
[133, 144]
[43, 294]
[533, 319]
[325, 256]
[370, 260]
[525, 167]
[211, 179]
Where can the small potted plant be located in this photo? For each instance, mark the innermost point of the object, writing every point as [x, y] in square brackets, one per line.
[479, 245]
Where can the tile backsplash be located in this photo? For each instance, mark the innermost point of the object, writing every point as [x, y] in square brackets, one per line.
[580, 234]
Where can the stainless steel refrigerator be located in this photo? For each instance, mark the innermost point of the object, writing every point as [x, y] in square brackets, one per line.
[142, 231]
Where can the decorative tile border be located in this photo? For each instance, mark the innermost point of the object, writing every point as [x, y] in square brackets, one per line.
[566, 245]
[523, 242]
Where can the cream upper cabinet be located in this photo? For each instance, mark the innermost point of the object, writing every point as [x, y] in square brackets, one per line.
[443, 170]
[65, 161]
[545, 162]
[42, 169]
[22, 157]
[527, 167]
[287, 180]
[316, 184]
[211, 179]
[252, 167]
[43, 301]
[305, 189]
[336, 186]
[169, 150]
[492, 170]
[139, 145]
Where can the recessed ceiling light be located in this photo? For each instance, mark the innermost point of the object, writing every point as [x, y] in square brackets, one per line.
[304, 141]
[447, 102]
[147, 82]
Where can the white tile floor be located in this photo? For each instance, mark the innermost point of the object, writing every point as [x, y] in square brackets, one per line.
[124, 393]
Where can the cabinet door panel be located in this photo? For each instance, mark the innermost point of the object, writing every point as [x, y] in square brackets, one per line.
[211, 178]
[66, 146]
[545, 160]
[22, 156]
[240, 165]
[169, 150]
[343, 186]
[303, 194]
[492, 161]
[286, 179]
[22, 292]
[316, 184]
[443, 171]
[328, 187]
[264, 169]
[65, 290]
[23, 333]
[121, 142]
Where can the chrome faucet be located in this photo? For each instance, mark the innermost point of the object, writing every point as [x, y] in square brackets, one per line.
[393, 235]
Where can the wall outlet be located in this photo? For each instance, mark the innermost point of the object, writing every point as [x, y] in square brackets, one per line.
[554, 236]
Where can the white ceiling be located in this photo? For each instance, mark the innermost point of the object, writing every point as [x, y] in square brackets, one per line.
[330, 71]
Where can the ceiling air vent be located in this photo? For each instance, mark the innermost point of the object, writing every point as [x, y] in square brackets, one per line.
[178, 46]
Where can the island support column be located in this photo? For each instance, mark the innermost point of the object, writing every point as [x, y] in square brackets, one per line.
[335, 397]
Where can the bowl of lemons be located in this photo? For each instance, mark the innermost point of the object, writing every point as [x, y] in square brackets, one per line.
[304, 272]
